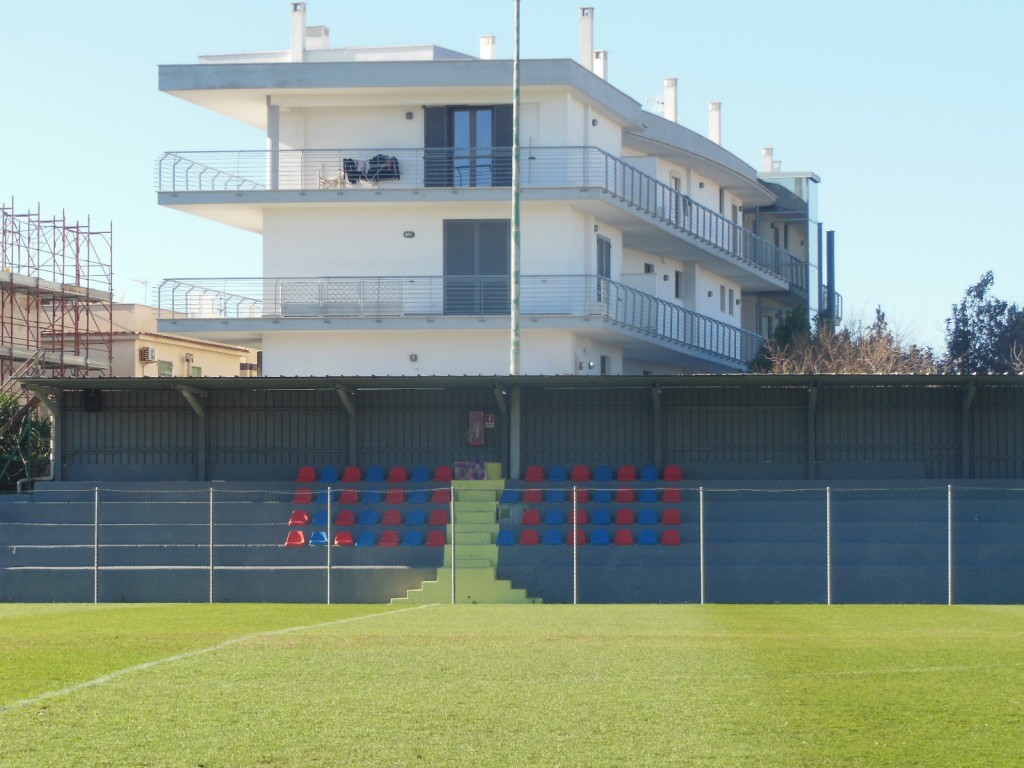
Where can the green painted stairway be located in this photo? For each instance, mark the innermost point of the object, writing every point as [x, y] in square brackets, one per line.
[473, 531]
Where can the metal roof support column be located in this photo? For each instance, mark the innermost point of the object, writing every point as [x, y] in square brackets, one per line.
[515, 448]
[812, 408]
[194, 397]
[346, 396]
[500, 396]
[50, 399]
[966, 401]
[657, 426]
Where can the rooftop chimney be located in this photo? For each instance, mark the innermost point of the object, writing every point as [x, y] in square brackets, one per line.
[488, 47]
[671, 99]
[767, 161]
[601, 64]
[298, 31]
[715, 122]
[587, 38]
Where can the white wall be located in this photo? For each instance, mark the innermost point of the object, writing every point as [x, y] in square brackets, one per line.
[438, 352]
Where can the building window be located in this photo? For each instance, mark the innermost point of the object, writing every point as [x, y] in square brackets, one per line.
[785, 236]
[195, 371]
[164, 369]
[732, 302]
[477, 262]
[604, 266]
[679, 284]
[468, 146]
[721, 299]
[648, 269]
[606, 365]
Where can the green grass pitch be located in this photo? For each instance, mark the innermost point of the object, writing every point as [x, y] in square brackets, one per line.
[291, 685]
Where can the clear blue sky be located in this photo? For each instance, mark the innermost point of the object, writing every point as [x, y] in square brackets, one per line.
[909, 111]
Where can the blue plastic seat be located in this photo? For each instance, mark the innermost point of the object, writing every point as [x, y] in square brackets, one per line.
[420, 475]
[416, 517]
[556, 497]
[321, 497]
[320, 517]
[554, 517]
[366, 539]
[647, 517]
[318, 539]
[602, 496]
[372, 497]
[369, 517]
[374, 474]
[412, 539]
[647, 537]
[418, 497]
[649, 473]
[329, 475]
[603, 474]
[553, 536]
[557, 473]
[509, 496]
[600, 537]
[506, 538]
[601, 517]
[647, 496]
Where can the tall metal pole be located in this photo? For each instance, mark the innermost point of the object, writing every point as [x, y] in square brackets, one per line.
[513, 366]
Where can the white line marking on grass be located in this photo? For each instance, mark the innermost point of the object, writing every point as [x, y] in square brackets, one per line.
[111, 676]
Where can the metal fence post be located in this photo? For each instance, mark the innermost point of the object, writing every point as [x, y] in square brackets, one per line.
[702, 594]
[211, 545]
[828, 542]
[95, 545]
[949, 543]
[329, 517]
[575, 551]
[451, 515]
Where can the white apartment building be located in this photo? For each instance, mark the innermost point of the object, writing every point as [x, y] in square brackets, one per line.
[385, 204]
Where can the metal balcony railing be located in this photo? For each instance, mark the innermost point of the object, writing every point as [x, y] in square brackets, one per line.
[432, 296]
[424, 168]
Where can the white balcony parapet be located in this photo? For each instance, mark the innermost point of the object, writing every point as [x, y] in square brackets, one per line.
[579, 296]
[425, 168]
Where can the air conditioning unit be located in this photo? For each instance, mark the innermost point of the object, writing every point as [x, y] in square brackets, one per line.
[147, 354]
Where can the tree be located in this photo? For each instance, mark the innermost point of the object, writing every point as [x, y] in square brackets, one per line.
[872, 349]
[985, 333]
[24, 442]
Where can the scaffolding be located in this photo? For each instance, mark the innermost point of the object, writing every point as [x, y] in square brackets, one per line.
[56, 292]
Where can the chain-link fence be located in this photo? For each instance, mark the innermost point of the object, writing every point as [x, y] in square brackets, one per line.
[617, 543]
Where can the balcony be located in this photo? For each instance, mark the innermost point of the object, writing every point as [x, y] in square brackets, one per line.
[578, 169]
[582, 297]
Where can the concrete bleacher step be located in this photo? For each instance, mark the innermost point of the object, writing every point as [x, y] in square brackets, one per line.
[472, 585]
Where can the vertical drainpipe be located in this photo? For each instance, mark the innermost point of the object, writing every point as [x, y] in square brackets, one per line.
[830, 266]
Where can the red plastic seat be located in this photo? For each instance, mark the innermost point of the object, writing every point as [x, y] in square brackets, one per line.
[626, 473]
[352, 475]
[438, 517]
[443, 474]
[395, 496]
[582, 518]
[582, 496]
[344, 539]
[670, 538]
[534, 474]
[295, 539]
[531, 517]
[306, 475]
[671, 516]
[348, 496]
[398, 475]
[625, 496]
[672, 496]
[582, 537]
[299, 517]
[436, 539]
[442, 496]
[345, 517]
[673, 473]
[389, 539]
[533, 496]
[624, 537]
[580, 473]
[303, 496]
[392, 517]
[625, 516]
[530, 537]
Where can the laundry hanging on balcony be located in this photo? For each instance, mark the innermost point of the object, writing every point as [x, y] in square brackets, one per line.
[377, 168]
